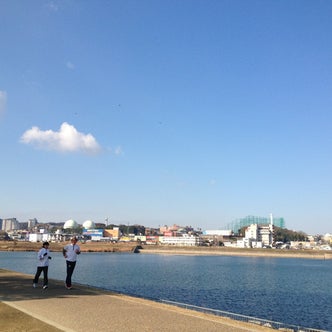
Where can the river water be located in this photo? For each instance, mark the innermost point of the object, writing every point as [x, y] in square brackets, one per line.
[288, 290]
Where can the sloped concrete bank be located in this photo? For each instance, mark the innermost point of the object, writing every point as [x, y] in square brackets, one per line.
[222, 251]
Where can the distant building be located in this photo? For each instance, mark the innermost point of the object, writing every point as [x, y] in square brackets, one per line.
[151, 239]
[35, 237]
[93, 234]
[165, 229]
[216, 237]
[259, 235]
[185, 240]
[151, 231]
[70, 224]
[218, 232]
[39, 237]
[328, 238]
[112, 233]
[10, 224]
[88, 224]
[32, 223]
[141, 238]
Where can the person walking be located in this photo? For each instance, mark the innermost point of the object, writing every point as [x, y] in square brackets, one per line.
[42, 266]
[70, 252]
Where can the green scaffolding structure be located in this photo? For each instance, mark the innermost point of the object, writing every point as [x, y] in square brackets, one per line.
[237, 224]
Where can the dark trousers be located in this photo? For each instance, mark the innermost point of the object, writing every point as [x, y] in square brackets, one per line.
[45, 274]
[70, 270]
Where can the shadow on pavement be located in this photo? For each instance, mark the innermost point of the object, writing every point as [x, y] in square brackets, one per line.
[15, 286]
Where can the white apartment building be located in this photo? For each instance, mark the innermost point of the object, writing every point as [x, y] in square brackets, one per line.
[10, 224]
[218, 232]
[36, 237]
[185, 240]
[259, 235]
[32, 223]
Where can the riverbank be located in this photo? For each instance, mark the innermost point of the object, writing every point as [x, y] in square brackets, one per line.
[58, 246]
[225, 251]
[97, 310]
[169, 250]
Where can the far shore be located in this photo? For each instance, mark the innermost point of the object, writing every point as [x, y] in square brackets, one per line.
[58, 246]
[223, 251]
[169, 250]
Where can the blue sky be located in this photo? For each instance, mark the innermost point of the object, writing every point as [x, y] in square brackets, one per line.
[167, 112]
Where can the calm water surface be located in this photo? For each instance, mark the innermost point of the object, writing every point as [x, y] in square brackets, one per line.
[288, 290]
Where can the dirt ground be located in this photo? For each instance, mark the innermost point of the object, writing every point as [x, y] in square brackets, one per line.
[13, 320]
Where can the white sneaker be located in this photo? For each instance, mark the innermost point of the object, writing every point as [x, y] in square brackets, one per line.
[45, 286]
[34, 285]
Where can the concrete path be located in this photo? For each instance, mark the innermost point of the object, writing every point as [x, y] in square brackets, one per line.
[89, 309]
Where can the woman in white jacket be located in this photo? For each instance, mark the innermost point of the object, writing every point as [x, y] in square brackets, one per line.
[42, 266]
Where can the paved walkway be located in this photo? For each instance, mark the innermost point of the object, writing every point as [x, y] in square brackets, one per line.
[88, 309]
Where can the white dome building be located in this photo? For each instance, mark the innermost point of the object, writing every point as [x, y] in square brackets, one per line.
[70, 224]
[88, 224]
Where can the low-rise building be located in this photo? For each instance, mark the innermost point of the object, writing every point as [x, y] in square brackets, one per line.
[259, 235]
[150, 239]
[112, 233]
[185, 240]
[39, 237]
[218, 232]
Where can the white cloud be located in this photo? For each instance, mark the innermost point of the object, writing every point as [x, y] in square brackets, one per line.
[3, 101]
[67, 139]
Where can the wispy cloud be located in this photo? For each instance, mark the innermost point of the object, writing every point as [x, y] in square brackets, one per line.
[118, 151]
[52, 6]
[70, 65]
[212, 182]
[67, 139]
[3, 101]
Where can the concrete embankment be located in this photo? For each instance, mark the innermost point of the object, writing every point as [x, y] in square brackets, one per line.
[221, 251]
[89, 309]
